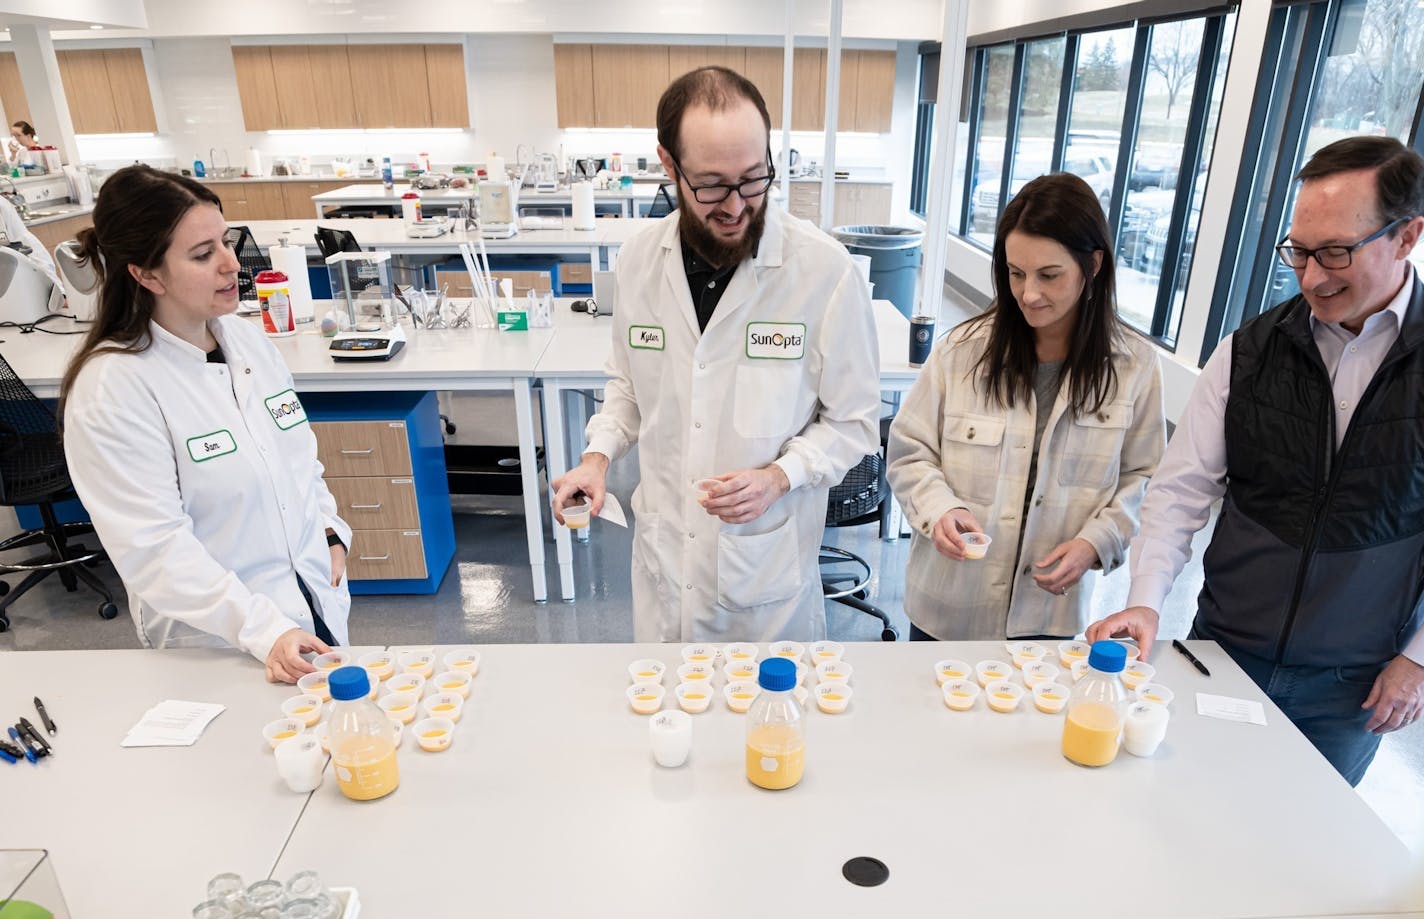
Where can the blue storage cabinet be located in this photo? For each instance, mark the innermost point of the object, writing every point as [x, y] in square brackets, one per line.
[385, 465]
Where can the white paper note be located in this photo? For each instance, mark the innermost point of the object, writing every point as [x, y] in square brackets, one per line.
[613, 511]
[172, 723]
[1229, 709]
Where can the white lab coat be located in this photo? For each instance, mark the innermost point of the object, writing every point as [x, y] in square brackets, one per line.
[16, 230]
[204, 486]
[742, 394]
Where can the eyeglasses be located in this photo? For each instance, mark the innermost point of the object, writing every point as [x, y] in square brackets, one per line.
[717, 193]
[1331, 257]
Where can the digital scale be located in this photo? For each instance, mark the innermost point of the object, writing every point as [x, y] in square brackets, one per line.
[379, 345]
[429, 228]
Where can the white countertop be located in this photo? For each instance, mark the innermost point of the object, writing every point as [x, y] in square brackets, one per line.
[365, 194]
[226, 180]
[853, 180]
[390, 234]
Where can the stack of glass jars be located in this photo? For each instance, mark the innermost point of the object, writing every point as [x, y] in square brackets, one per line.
[302, 897]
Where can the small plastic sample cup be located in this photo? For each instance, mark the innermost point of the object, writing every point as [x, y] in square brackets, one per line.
[421, 663]
[400, 706]
[1050, 697]
[801, 670]
[826, 652]
[306, 708]
[1155, 692]
[1144, 728]
[465, 660]
[694, 698]
[274, 732]
[399, 729]
[1040, 672]
[1071, 651]
[740, 651]
[453, 681]
[740, 670]
[314, 684]
[300, 762]
[959, 694]
[952, 670]
[1025, 652]
[801, 694]
[670, 735]
[976, 545]
[1078, 669]
[688, 673]
[382, 664]
[331, 660]
[434, 734]
[646, 698]
[740, 694]
[412, 683]
[788, 649]
[832, 698]
[443, 705]
[576, 515]
[702, 485]
[699, 654]
[647, 670]
[989, 671]
[1133, 652]
[1003, 696]
[373, 685]
[1136, 673]
[834, 672]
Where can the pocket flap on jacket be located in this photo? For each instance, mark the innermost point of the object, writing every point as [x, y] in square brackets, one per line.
[1111, 415]
[974, 430]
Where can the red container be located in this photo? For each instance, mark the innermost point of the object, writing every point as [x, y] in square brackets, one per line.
[274, 296]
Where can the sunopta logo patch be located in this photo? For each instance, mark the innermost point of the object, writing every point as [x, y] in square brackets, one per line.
[784, 341]
[286, 409]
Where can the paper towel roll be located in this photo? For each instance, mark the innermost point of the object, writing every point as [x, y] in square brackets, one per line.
[254, 162]
[292, 261]
[583, 206]
[494, 168]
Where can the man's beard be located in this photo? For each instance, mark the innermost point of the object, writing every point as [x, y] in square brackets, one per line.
[714, 251]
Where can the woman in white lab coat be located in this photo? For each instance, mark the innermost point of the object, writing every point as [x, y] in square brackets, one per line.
[188, 444]
[1038, 424]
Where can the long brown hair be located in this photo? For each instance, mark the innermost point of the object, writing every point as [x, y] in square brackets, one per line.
[134, 217]
[1060, 207]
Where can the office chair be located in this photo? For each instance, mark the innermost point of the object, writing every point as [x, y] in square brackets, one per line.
[860, 498]
[331, 241]
[33, 471]
[663, 203]
[250, 260]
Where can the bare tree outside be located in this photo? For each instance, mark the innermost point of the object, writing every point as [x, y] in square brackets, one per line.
[1176, 51]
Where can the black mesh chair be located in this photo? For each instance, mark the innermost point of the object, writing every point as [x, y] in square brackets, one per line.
[33, 471]
[663, 203]
[250, 261]
[860, 498]
[331, 241]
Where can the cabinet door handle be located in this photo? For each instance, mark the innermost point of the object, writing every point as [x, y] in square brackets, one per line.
[375, 558]
[365, 452]
[365, 507]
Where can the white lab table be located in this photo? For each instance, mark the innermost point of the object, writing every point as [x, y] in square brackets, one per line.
[366, 195]
[577, 359]
[548, 803]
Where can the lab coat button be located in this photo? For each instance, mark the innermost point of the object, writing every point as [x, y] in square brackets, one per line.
[701, 366]
[689, 586]
[691, 535]
[248, 370]
[697, 424]
[1026, 569]
[1038, 502]
[970, 435]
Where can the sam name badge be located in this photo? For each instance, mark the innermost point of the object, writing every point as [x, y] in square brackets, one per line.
[776, 341]
[210, 446]
[286, 409]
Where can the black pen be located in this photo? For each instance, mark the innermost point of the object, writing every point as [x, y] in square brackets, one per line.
[1191, 657]
[44, 716]
[42, 746]
[13, 751]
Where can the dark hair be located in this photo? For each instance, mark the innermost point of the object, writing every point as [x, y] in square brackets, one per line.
[717, 88]
[1060, 207]
[25, 127]
[1399, 172]
[134, 217]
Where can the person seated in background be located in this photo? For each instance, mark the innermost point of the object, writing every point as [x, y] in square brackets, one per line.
[22, 138]
[1038, 424]
[187, 442]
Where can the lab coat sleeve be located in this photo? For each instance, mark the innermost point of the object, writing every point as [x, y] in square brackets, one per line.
[846, 425]
[123, 463]
[614, 430]
[16, 230]
[1113, 526]
[914, 470]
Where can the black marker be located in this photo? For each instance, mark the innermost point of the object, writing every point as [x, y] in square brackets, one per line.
[41, 745]
[12, 751]
[1191, 657]
[44, 716]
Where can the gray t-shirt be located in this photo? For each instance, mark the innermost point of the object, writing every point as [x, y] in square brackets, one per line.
[1045, 391]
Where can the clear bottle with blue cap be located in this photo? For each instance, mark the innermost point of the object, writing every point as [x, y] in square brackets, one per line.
[362, 738]
[776, 728]
[1092, 728]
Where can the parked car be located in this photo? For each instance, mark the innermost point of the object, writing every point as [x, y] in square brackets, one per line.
[1094, 168]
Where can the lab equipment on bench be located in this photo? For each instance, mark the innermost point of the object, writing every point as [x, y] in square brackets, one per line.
[498, 201]
[27, 293]
[361, 281]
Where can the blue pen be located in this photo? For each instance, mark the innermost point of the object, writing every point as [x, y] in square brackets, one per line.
[8, 758]
[24, 744]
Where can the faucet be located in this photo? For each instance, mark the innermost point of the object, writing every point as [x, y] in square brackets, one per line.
[15, 198]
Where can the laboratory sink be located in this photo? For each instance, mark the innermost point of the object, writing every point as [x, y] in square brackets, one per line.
[35, 215]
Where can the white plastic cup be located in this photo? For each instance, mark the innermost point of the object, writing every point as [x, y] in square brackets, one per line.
[699, 654]
[1050, 697]
[400, 706]
[1155, 692]
[834, 672]
[792, 650]
[691, 673]
[701, 485]
[740, 671]
[280, 731]
[434, 734]
[1078, 670]
[331, 660]
[406, 683]
[823, 652]
[380, 663]
[740, 651]
[646, 670]
[959, 694]
[645, 698]
[1023, 653]
[832, 698]
[421, 663]
[670, 735]
[576, 515]
[694, 698]
[306, 708]
[976, 545]
[449, 705]
[989, 671]
[1144, 728]
[301, 762]
[1137, 673]
[952, 670]
[464, 660]
[1039, 672]
[1003, 696]
[452, 681]
[741, 694]
[1071, 651]
[315, 684]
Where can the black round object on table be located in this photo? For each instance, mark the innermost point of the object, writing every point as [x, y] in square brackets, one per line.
[864, 871]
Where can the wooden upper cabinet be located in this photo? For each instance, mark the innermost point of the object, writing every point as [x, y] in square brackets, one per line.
[12, 90]
[808, 90]
[875, 91]
[850, 81]
[295, 87]
[573, 85]
[445, 84]
[683, 58]
[256, 87]
[763, 68]
[86, 88]
[389, 86]
[628, 81]
[128, 81]
[331, 83]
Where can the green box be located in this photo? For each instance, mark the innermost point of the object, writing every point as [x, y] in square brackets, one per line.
[513, 320]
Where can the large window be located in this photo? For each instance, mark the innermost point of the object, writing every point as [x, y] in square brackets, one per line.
[1131, 110]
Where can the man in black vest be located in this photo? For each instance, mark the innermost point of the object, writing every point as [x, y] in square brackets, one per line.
[1309, 422]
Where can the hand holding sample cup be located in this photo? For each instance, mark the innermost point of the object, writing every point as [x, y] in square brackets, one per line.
[742, 496]
[581, 490]
[959, 536]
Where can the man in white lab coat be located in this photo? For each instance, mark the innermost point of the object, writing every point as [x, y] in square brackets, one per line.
[744, 352]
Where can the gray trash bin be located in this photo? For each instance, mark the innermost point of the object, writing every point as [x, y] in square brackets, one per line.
[895, 254]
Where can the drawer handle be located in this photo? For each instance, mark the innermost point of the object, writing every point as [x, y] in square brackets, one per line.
[366, 452]
[365, 507]
[375, 558]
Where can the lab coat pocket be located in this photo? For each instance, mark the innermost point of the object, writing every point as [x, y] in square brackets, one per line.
[1092, 451]
[765, 399]
[758, 568]
[645, 545]
[970, 454]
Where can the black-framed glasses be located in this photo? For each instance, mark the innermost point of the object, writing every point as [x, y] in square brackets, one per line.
[1331, 257]
[717, 193]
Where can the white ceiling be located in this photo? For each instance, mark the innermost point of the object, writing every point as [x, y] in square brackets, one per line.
[61, 15]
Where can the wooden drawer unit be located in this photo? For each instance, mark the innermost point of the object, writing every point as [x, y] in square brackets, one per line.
[376, 502]
[386, 555]
[576, 273]
[362, 448]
